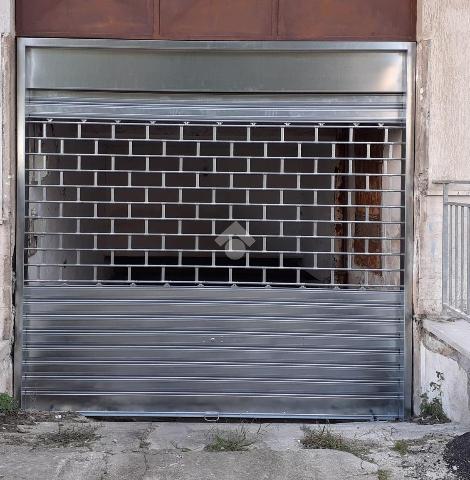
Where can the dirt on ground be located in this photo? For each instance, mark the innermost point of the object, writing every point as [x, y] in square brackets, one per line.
[425, 459]
[14, 422]
[457, 456]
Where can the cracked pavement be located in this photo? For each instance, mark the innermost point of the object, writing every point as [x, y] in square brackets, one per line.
[176, 450]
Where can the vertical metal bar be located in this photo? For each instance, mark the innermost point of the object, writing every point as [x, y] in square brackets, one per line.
[451, 254]
[462, 257]
[445, 246]
[455, 268]
[455, 298]
[467, 311]
[20, 220]
[409, 229]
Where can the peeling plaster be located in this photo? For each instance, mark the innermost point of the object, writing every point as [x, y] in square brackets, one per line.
[435, 354]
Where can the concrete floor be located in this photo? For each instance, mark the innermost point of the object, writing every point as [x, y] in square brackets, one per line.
[176, 450]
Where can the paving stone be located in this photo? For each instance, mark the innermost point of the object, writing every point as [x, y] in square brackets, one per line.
[259, 465]
[175, 450]
[51, 464]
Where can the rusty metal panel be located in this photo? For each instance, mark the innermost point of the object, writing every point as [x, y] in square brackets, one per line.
[216, 19]
[86, 18]
[347, 19]
[210, 19]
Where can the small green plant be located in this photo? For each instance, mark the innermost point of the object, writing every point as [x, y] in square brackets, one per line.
[8, 404]
[401, 447]
[324, 438]
[431, 409]
[383, 474]
[231, 441]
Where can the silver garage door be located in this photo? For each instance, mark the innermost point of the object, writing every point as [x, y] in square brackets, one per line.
[231, 243]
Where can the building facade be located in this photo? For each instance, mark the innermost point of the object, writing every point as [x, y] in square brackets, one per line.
[367, 124]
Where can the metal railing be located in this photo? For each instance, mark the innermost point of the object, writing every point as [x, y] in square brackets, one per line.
[456, 250]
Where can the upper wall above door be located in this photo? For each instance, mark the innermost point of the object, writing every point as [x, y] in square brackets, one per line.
[219, 19]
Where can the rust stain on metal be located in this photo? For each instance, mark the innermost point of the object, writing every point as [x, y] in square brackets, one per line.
[341, 211]
[347, 19]
[368, 196]
[86, 18]
[219, 19]
[233, 19]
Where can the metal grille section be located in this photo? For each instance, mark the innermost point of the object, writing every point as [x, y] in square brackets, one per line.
[214, 203]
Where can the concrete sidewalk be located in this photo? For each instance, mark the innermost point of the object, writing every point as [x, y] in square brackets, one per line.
[92, 450]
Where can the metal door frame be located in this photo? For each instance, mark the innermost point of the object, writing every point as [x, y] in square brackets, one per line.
[405, 48]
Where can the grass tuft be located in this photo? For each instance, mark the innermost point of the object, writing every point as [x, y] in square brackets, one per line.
[401, 447]
[230, 441]
[69, 436]
[8, 404]
[383, 475]
[324, 438]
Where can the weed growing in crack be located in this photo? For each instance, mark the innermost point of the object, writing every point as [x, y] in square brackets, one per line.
[238, 440]
[401, 447]
[8, 404]
[431, 409]
[69, 436]
[144, 444]
[323, 438]
[383, 475]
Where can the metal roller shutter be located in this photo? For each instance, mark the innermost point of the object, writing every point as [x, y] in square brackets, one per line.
[198, 253]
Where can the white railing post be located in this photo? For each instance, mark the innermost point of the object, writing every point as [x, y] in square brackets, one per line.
[455, 252]
[445, 247]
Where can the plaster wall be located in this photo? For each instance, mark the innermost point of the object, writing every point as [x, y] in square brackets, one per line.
[455, 400]
[442, 132]
[7, 208]
[445, 348]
